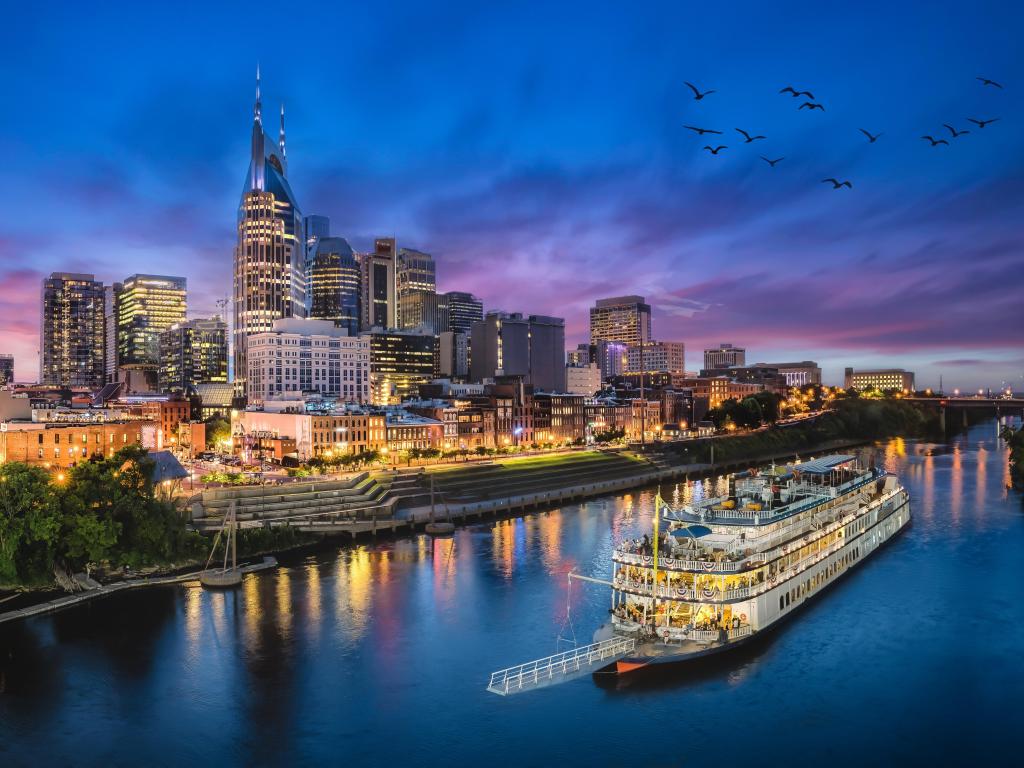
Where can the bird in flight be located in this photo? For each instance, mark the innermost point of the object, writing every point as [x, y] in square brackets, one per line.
[812, 105]
[986, 81]
[794, 92]
[954, 131]
[772, 162]
[871, 139]
[836, 183]
[716, 150]
[981, 123]
[697, 95]
[701, 131]
[748, 137]
[936, 142]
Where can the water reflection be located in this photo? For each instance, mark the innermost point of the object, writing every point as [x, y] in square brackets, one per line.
[373, 652]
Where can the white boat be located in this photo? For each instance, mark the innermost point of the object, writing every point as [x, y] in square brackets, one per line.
[718, 572]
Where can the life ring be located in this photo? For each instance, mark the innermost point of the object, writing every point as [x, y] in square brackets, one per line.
[743, 617]
[664, 634]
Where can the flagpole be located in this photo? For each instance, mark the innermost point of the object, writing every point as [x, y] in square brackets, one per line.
[657, 529]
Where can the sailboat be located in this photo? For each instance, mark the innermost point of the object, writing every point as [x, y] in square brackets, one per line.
[225, 576]
[438, 527]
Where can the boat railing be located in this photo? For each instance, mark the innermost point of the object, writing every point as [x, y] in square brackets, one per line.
[709, 566]
[535, 672]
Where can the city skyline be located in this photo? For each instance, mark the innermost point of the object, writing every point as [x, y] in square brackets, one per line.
[561, 201]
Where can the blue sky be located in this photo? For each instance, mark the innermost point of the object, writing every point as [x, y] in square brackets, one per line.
[538, 151]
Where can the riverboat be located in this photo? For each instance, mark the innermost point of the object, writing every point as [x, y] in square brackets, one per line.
[720, 571]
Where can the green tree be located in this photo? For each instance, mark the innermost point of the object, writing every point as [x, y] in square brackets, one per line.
[29, 523]
[217, 431]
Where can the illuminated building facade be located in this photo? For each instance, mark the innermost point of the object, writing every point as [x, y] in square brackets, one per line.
[415, 273]
[145, 307]
[193, 352]
[269, 268]
[725, 356]
[6, 369]
[880, 378]
[621, 319]
[72, 339]
[797, 374]
[425, 310]
[55, 445]
[334, 284]
[298, 355]
[464, 309]
[399, 362]
[657, 356]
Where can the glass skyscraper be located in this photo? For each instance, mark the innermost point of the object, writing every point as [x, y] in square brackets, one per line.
[269, 269]
[334, 285]
[71, 350]
[145, 307]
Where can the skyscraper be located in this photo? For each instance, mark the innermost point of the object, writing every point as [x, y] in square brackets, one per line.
[622, 319]
[72, 331]
[269, 269]
[399, 362]
[425, 310]
[380, 307]
[414, 271]
[334, 284]
[6, 369]
[145, 307]
[193, 352]
[464, 309]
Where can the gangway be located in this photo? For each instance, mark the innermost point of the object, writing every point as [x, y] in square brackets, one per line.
[561, 667]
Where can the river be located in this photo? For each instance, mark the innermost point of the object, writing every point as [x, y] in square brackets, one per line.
[380, 654]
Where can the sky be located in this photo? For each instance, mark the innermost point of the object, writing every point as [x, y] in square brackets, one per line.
[537, 150]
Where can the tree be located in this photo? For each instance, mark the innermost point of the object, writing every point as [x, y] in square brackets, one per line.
[218, 430]
[29, 523]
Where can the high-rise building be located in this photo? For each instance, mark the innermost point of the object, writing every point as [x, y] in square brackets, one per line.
[193, 352]
[453, 354]
[725, 356]
[298, 355]
[415, 271]
[6, 369]
[464, 309]
[314, 229]
[622, 319]
[334, 284]
[584, 354]
[399, 362]
[425, 310]
[379, 301]
[110, 332]
[145, 307]
[72, 331]
[508, 344]
[269, 269]
[583, 379]
[658, 356]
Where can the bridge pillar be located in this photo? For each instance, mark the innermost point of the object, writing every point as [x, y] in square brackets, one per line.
[942, 419]
[965, 418]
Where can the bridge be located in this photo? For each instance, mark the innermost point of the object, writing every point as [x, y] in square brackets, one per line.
[1000, 405]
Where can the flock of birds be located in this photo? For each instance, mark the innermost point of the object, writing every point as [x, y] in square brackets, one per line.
[811, 104]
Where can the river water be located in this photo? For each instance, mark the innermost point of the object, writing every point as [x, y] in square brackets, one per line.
[380, 654]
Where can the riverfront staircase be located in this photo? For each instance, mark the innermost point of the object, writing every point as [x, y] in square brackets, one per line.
[314, 505]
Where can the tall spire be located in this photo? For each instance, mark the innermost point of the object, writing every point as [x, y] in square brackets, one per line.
[280, 141]
[258, 108]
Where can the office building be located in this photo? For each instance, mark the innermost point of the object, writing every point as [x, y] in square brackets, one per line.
[333, 282]
[415, 273]
[399, 362]
[145, 307]
[658, 356]
[464, 309]
[879, 378]
[584, 354]
[379, 299]
[453, 355]
[269, 264]
[299, 355]
[768, 377]
[72, 339]
[314, 229]
[725, 356]
[798, 374]
[425, 310]
[612, 357]
[193, 352]
[621, 319]
[6, 369]
[508, 344]
[583, 379]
